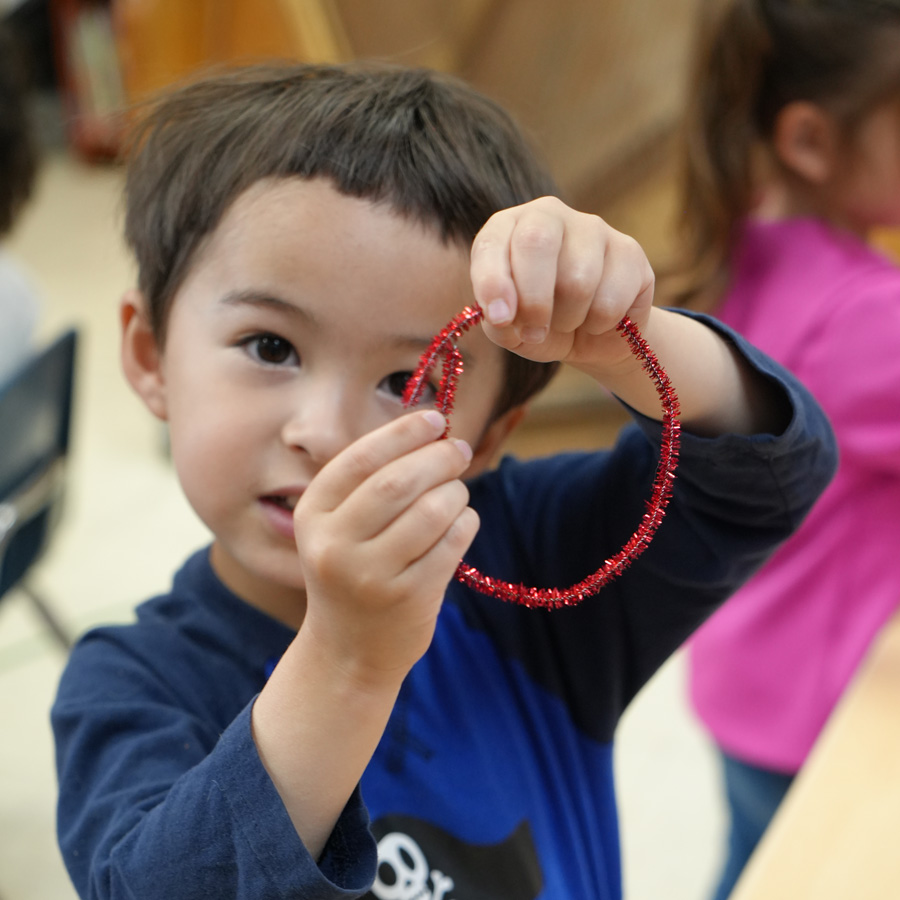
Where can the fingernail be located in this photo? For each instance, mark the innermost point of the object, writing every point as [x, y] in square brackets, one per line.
[433, 417]
[498, 312]
[533, 335]
[463, 448]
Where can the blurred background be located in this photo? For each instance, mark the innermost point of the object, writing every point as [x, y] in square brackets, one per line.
[598, 86]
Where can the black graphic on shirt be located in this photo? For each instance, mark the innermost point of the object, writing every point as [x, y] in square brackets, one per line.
[420, 861]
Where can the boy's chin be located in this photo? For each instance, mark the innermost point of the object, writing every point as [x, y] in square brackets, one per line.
[272, 582]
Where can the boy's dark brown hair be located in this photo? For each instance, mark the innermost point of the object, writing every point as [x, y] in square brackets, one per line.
[18, 151]
[426, 144]
[753, 57]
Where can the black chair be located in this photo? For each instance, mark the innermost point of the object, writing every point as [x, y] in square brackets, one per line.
[35, 424]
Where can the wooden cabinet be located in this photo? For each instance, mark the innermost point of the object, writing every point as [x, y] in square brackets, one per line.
[161, 41]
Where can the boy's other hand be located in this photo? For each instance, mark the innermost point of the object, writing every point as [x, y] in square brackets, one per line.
[380, 532]
[554, 283]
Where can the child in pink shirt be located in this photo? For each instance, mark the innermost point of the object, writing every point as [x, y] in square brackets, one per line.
[794, 155]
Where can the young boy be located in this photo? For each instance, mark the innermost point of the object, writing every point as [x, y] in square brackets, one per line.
[318, 709]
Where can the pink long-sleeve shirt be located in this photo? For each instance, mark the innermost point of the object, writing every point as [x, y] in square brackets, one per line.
[767, 669]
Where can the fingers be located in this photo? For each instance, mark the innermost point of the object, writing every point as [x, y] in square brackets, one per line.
[371, 453]
[582, 268]
[423, 487]
[535, 246]
[543, 272]
[388, 506]
[399, 475]
[625, 285]
[444, 555]
[424, 544]
[514, 270]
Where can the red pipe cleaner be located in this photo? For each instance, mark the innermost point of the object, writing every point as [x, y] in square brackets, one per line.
[444, 345]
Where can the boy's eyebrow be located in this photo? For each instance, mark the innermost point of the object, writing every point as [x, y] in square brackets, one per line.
[261, 299]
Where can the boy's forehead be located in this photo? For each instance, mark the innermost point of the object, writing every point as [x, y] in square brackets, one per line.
[301, 248]
[321, 198]
[311, 219]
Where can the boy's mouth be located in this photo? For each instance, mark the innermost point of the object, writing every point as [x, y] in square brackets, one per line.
[278, 510]
[283, 501]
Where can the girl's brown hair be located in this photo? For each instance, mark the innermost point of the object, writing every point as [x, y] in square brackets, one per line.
[426, 144]
[752, 58]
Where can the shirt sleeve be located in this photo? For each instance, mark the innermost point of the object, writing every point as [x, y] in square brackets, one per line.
[736, 498]
[154, 803]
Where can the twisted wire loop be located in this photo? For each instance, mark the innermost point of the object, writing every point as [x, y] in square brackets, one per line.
[444, 345]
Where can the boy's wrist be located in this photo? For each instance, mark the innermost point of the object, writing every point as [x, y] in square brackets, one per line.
[340, 672]
[718, 390]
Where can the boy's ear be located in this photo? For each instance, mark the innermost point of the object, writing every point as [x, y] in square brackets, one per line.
[493, 438]
[807, 141]
[140, 353]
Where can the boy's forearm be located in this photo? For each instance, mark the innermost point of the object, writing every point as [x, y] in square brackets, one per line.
[718, 391]
[316, 728]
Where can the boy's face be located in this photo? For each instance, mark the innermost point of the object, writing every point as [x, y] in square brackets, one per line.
[293, 335]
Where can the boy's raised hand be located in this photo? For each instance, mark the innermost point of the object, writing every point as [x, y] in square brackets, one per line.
[554, 283]
[380, 531]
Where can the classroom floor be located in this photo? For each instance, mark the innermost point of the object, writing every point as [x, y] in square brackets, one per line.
[126, 528]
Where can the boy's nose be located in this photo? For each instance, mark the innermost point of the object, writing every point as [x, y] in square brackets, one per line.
[322, 423]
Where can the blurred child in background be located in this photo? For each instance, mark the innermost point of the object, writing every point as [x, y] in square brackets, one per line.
[792, 157]
[18, 167]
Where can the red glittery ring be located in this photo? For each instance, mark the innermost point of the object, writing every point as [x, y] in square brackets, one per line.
[445, 345]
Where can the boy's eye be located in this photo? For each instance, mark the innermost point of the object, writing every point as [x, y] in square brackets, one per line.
[395, 384]
[271, 349]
